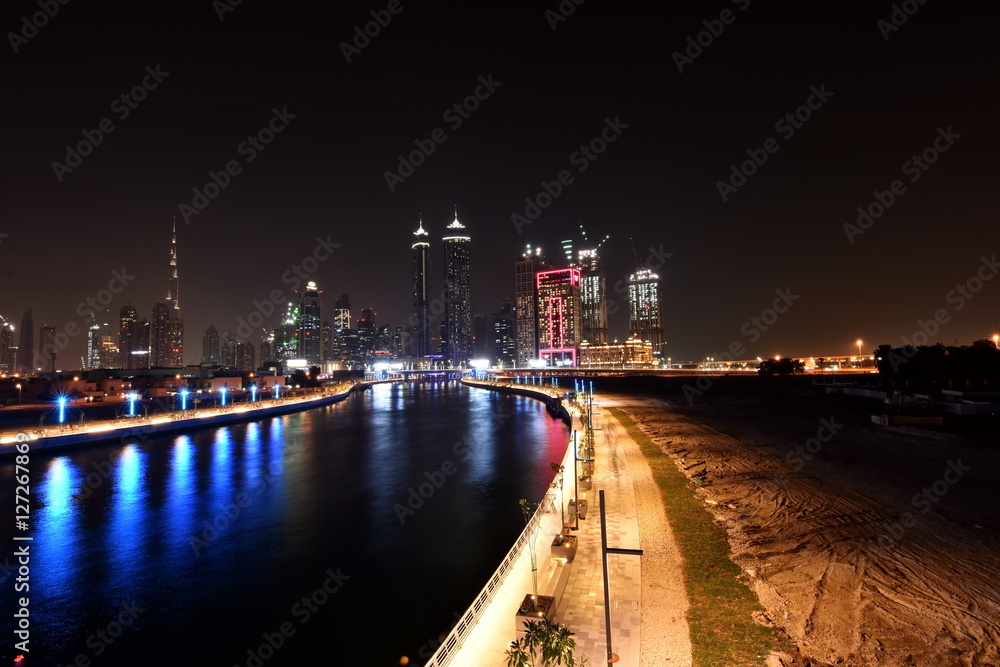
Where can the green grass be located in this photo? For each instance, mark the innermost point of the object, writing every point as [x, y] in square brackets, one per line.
[723, 631]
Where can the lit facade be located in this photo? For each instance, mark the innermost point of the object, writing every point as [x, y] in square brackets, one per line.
[633, 353]
[308, 324]
[420, 318]
[526, 306]
[458, 301]
[646, 309]
[593, 297]
[210, 351]
[559, 316]
[6, 346]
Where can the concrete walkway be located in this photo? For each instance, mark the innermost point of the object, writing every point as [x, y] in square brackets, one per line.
[579, 585]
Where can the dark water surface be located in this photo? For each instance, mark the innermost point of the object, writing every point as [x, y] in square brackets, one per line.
[198, 549]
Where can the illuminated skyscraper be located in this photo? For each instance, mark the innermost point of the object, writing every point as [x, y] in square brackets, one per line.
[172, 344]
[158, 338]
[7, 362]
[593, 297]
[645, 310]
[420, 318]
[46, 344]
[458, 301]
[526, 306]
[310, 335]
[93, 359]
[128, 319]
[559, 316]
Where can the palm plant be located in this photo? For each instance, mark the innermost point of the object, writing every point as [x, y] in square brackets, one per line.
[544, 644]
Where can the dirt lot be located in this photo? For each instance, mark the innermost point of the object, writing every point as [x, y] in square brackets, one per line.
[866, 545]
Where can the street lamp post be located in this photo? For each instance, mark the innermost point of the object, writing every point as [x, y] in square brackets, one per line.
[18, 385]
[996, 341]
[861, 359]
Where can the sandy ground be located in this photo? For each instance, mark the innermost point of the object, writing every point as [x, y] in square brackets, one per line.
[866, 545]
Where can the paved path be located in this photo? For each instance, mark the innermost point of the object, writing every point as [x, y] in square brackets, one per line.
[648, 619]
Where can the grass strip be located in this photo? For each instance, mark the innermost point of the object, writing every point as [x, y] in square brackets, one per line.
[723, 631]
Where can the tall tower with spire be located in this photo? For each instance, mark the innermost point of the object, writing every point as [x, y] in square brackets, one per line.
[420, 318]
[458, 304]
[170, 343]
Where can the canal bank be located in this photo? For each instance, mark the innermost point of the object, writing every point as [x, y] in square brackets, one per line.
[635, 519]
[64, 437]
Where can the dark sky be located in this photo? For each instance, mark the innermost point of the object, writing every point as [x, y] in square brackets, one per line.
[656, 184]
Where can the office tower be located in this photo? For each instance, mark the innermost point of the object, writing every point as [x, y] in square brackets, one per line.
[286, 336]
[210, 350]
[308, 325]
[402, 342]
[342, 313]
[525, 304]
[227, 351]
[420, 316]
[7, 362]
[458, 302]
[46, 344]
[158, 357]
[245, 359]
[26, 348]
[559, 316]
[645, 314]
[326, 340]
[266, 347]
[93, 359]
[483, 339]
[367, 334]
[593, 297]
[133, 339]
[504, 335]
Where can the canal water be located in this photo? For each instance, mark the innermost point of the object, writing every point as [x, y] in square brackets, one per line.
[356, 532]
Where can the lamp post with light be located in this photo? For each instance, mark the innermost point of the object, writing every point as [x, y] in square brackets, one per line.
[861, 360]
[18, 385]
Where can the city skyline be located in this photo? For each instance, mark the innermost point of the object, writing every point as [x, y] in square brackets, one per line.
[844, 165]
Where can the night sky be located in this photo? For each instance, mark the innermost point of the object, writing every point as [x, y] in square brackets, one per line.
[880, 95]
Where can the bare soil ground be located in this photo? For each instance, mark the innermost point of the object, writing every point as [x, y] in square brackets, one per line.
[866, 545]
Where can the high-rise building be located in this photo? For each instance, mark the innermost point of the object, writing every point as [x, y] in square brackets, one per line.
[310, 336]
[645, 309]
[367, 334]
[286, 336]
[326, 338]
[172, 343]
[93, 359]
[26, 348]
[46, 344]
[158, 357]
[593, 297]
[525, 304]
[559, 316]
[133, 339]
[110, 355]
[420, 318]
[458, 302]
[483, 341]
[504, 335]
[7, 361]
[210, 350]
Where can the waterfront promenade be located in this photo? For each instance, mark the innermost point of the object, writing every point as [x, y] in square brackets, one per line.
[648, 601]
